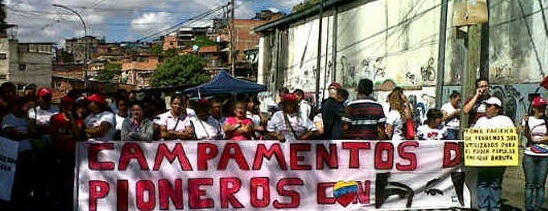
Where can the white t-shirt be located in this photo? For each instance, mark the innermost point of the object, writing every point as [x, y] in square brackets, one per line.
[204, 130]
[299, 124]
[95, 120]
[538, 130]
[175, 124]
[499, 121]
[394, 118]
[424, 132]
[449, 109]
[305, 109]
[119, 122]
[42, 116]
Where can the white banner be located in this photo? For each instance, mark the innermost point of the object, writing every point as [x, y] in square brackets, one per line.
[8, 162]
[304, 175]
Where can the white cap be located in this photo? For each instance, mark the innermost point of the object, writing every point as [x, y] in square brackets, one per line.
[493, 101]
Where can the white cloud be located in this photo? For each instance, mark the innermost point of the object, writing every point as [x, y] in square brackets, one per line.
[149, 22]
[120, 20]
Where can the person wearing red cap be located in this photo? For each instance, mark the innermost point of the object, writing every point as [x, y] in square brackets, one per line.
[535, 155]
[287, 124]
[65, 130]
[41, 114]
[100, 123]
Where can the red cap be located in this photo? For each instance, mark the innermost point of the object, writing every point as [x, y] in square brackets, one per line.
[539, 101]
[336, 85]
[289, 97]
[44, 92]
[204, 102]
[97, 98]
[67, 100]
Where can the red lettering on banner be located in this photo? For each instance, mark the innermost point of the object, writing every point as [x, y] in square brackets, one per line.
[380, 161]
[174, 192]
[140, 189]
[262, 152]
[330, 158]
[122, 194]
[206, 152]
[321, 195]
[364, 192]
[295, 158]
[132, 151]
[97, 189]
[195, 193]
[230, 186]
[263, 184]
[448, 160]
[93, 160]
[177, 152]
[238, 156]
[410, 156]
[355, 148]
[294, 195]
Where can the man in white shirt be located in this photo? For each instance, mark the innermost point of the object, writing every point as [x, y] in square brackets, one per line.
[489, 185]
[304, 106]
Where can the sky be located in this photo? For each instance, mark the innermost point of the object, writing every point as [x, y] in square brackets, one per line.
[118, 20]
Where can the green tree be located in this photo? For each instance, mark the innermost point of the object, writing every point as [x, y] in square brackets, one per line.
[180, 70]
[202, 41]
[109, 72]
[157, 49]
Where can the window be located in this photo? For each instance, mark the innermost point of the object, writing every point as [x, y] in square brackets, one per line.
[22, 67]
[3, 56]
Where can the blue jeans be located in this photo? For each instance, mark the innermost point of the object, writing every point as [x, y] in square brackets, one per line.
[536, 170]
[452, 134]
[489, 188]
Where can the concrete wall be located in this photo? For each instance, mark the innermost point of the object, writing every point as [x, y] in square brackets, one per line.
[395, 43]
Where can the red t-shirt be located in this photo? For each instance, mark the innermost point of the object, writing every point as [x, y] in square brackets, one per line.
[236, 135]
[63, 127]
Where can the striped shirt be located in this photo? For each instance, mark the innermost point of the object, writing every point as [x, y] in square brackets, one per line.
[364, 116]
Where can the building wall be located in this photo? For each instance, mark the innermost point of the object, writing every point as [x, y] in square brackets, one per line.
[4, 61]
[33, 66]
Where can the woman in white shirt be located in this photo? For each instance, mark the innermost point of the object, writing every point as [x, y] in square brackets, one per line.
[288, 124]
[433, 129]
[400, 111]
[535, 155]
[451, 112]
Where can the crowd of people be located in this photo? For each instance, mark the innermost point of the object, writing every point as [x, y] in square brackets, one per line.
[47, 133]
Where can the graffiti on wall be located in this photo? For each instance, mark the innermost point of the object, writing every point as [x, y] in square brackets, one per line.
[501, 73]
[427, 73]
[513, 101]
[370, 67]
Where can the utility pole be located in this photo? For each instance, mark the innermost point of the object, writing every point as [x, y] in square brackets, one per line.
[441, 53]
[231, 54]
[319, 53]
[86, 54]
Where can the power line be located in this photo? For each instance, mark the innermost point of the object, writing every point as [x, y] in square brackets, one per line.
[182, 23]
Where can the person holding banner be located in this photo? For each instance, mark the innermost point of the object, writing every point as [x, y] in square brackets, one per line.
[433, 129]
[288, 124]
[100, 122]
[535, 155]
[137, 127]
[174, 124]
[364, 117]
[239, 127]
[489, 179]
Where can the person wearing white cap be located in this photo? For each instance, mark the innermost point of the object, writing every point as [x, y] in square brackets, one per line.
[489, 179]
[535, 155]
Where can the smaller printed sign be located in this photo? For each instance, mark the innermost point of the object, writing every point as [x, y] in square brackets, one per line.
[491, 147]
[8, 161]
